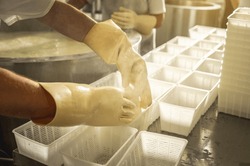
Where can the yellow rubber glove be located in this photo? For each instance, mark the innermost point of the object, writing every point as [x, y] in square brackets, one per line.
[125, 18]
[112, 44]
[82, 104]
[128, 19]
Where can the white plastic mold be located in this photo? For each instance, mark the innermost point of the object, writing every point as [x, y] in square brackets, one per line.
[98, 146]
[158, 88]
[210, 66]
[181, 109]
[181, 41]
[158, 57]
[150, 114]
[172, 49]
[209, 45]
[239, 19]
[196, 52]
[242, 10]
[216, 55]
[170, 74]
[220, 32]
[43, 143]
[200, 32]
[204, 81]
[216, 38]
[150, 149]
[186, 62]
[153, 67]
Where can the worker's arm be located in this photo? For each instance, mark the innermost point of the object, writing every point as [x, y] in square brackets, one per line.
[235, 3]
[23, 98]
[68, 20]
[128, 19]
[63, 104]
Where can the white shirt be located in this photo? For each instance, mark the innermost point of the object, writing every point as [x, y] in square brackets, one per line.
[14, 10]
[139, 6]
[244, 3]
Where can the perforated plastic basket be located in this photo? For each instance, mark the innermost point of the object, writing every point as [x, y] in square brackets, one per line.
[99, 146]
[43, 143]
[153, 149]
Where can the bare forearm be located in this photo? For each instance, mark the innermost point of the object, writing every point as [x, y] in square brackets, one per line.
[143, 26]
[68, 20]
[23, 98]
[145, 23]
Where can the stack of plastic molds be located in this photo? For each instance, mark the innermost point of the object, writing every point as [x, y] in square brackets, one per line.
[43, 143]
[234, 91]
[150, 149]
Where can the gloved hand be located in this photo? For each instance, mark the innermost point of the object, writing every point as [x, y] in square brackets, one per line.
[125, 18]
[112, 44]
[82, 104]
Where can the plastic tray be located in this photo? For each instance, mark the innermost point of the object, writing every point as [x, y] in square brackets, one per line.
[178, 103]
[99, 146]
[149, 149]
[43, 143]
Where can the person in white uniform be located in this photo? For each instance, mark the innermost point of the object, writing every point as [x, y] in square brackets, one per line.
[240, 3]
[66, 104]
[142, 16]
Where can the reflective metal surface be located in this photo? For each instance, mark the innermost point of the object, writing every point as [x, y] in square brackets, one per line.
[184, 14]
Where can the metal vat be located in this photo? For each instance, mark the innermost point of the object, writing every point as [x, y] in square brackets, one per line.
[182, 15]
